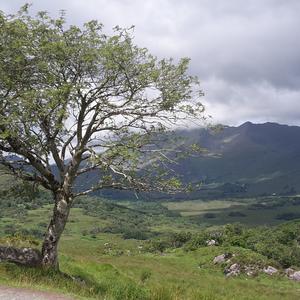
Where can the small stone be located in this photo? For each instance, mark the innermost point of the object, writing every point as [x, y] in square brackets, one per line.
[295, 276]
[222, 258]
[211, 243]
[219, 259]
[234, 267]
[289, 271]
[233, 270]
[250, 270]
[270, 270]
[232, 274]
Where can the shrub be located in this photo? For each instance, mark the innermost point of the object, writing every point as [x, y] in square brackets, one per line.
[158, 245]
[178, 239]
[196, 241]
[135, 234]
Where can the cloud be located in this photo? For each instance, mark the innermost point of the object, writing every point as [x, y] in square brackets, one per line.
[258, 102]
[246, 53]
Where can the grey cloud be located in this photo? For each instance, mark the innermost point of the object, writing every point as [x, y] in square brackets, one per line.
[258, 102]
[246, 53]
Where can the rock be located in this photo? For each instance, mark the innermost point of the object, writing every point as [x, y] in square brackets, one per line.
[234, 267]
[250, 270]
[211, 243]
[295, 276]
[233, 270]
[22, 256]
[289, 271]
[270, 270]
[219, 259]
[222, 258]
[232, 274]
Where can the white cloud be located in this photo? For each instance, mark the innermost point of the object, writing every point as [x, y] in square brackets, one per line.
[258, 102]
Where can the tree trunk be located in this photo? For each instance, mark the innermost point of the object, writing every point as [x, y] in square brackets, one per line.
[56, 227]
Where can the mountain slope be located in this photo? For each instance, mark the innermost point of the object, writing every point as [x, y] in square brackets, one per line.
[252, 159]
[244, 161]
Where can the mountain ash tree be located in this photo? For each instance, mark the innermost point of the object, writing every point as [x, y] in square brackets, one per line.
[74, 100]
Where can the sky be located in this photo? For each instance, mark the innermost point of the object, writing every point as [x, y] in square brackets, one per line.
[245, 53]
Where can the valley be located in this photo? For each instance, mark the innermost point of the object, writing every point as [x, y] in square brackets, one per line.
[117, 247]
[156, 250]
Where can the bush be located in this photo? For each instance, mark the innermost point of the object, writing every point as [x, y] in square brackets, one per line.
[196, 241]
[135, 234]
[19, 240]
[158, 245]
[178, 239]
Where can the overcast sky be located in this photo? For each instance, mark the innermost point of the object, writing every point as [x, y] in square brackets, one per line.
[245, 53]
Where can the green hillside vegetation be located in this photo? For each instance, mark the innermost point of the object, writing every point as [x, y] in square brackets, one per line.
[245, 161]
[248, 161]
[142, 250]
[269, 210]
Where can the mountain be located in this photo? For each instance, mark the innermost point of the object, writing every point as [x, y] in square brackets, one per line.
[245, 161]
[249, 160]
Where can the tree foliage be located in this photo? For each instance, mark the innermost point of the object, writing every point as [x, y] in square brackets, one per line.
[75, 100]
[71, 94]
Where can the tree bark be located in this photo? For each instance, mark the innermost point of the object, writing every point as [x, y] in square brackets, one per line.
[56, 227]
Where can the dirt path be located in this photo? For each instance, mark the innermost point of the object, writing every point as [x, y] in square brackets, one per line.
[8, 293]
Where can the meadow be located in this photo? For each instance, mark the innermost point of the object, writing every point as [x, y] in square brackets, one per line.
[143, 250]
[269, 210]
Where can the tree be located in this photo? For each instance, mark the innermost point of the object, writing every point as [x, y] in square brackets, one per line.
[75, 100]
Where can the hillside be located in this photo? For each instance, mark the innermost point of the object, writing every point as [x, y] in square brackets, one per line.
[244, 161]
[249, 160]
[152, 250]
[141, 251]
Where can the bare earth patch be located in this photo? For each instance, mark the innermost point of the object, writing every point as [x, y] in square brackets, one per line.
[8, 293]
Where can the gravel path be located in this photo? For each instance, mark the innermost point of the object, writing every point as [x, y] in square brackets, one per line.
[8, 293]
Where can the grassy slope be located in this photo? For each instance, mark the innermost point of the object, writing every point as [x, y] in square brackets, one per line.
[118, 270]
[221, 210]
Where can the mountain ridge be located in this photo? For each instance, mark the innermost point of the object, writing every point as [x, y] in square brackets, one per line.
[264, 157]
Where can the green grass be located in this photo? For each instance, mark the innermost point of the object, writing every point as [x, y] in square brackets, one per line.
[172, 276]
[219, 212]
[117, 270]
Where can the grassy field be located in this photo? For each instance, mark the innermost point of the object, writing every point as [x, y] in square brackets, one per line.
[172, 276]
[103, 265]
[250, 211]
